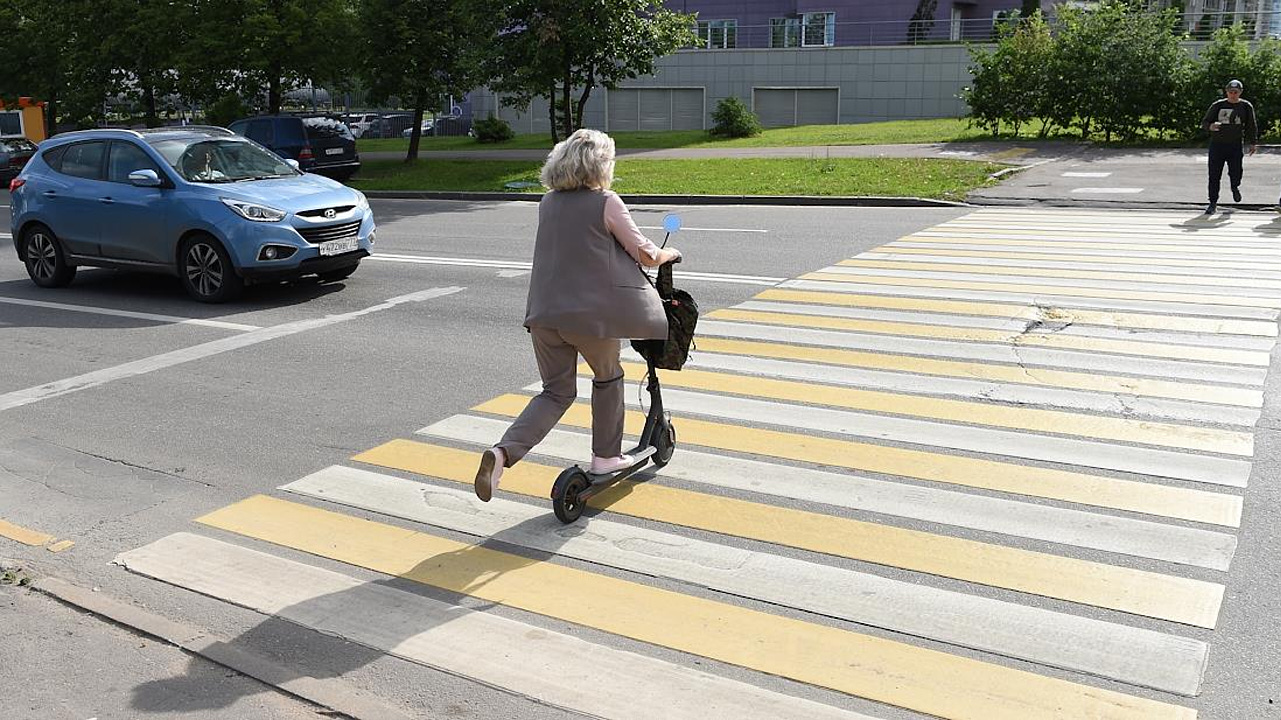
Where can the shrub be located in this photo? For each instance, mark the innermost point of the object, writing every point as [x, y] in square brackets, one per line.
[493, 130]
[733, 120]
[225, 111]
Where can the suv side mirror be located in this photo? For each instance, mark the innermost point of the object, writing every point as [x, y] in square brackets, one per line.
[144, 178]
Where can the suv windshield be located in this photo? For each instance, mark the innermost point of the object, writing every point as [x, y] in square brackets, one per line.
[221, 160]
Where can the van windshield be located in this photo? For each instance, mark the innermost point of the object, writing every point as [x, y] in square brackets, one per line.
[221, 160]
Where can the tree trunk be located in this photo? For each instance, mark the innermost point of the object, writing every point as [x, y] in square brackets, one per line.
[551, 113]
[149, 104]
[416, 133]
[51, 114]
[273, 90]
[582, 101]
[567, 91]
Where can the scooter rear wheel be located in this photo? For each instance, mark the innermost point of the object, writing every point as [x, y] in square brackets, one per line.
[565, 491]
[664, 442]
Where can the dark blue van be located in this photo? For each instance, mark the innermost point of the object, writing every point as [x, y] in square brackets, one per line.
[321, 144]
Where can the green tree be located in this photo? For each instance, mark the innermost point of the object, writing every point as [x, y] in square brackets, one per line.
[140, 67]
[51, 52]
[554, 48]
[423, 51]
[922, 22]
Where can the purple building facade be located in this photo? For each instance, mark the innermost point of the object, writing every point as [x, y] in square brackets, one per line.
[733, 24]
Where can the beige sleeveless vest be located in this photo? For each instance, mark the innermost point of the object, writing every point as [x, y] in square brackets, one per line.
[584, 281]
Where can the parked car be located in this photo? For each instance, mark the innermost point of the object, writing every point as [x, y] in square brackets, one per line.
[320, 144]
[389, 126]
[15, 150]
[424, 129]
[360, 122]
[202, 203]
[452, 126]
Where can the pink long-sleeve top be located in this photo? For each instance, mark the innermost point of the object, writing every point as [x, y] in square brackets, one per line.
[618, 220]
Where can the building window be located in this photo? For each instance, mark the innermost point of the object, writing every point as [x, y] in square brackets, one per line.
[784, 32]
[819, 29]
[718, 34]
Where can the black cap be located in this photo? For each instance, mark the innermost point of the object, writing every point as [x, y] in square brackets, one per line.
[1235, 85]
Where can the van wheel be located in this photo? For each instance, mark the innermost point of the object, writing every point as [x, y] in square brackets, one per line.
[206, 270]
[42, 254]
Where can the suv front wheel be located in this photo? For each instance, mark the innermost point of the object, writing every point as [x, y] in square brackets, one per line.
[42, 254]
[206, 270]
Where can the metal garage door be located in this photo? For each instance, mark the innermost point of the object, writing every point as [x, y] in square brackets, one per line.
[656, 109]
[796, 106]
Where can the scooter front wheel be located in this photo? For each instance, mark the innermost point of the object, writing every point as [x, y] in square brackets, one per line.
[565, 491]
[664, 442]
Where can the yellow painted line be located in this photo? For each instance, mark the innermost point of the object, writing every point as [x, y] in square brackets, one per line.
[1171, 297]
[1135, 276]
[60, 546]
[1194, 602]
[1162, 434]
[1095, 490]
[1144, 247]
[963, 334]
[1139, 321]
[1144, 387]
[1101, 259]
[892, 672]
[23, 535]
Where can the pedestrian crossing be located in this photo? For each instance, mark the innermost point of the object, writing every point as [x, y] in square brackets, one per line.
[994, 470]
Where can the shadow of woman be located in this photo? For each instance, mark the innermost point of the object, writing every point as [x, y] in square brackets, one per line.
[333, 623]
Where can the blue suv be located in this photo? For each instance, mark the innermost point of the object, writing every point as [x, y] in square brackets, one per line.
[202, 203]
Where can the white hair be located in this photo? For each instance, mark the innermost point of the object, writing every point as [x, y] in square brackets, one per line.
[582, 160]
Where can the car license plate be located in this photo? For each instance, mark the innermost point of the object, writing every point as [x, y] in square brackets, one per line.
[333, 151]
[337, 247]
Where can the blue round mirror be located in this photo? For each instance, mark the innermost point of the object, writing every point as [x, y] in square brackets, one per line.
[671, 223]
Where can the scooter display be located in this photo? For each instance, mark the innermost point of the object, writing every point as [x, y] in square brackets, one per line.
[575, 486]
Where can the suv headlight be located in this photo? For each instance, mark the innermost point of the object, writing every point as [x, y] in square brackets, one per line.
[362, 202]
[254, 211]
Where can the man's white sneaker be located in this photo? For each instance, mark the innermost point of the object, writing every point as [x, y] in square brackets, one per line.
[489, 472]
[601, 466]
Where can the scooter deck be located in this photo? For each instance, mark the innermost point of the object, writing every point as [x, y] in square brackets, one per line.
[640, 456]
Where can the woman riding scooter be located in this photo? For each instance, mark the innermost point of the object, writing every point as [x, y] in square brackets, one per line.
[586, 294]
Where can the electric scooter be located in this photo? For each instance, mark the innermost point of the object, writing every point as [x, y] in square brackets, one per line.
[574, 486]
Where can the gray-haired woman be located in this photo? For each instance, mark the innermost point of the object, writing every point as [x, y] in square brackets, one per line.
[585, 295]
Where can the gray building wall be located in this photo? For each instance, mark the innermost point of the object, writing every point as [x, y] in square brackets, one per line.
[872, 83]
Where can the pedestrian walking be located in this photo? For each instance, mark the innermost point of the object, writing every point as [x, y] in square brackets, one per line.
[586, 294]
[1231, 125]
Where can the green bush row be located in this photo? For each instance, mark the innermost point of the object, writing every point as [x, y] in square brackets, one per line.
[1118, 71]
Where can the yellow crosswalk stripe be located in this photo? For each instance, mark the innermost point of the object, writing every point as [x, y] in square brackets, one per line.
[888, 671]
[977, 413]
[23, 535]
[1193, 602]
[1138, 321]
[1145, 387]
[1046, 340]
[1136, 276]
[1156, 248]
[1218, 264]
[1050, 290]
[1095, 490]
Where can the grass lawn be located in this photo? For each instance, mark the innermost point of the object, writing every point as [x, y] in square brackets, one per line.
[901, 177]
[882, 133]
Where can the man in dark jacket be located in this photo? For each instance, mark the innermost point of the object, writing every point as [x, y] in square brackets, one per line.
[1230, 123]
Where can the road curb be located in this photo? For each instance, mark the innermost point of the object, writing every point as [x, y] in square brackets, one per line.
[838, 201]
[333, 694]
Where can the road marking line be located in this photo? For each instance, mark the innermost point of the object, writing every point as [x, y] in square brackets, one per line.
[1201, 229]
[1029, 313]
[695, 229]
[1050, 483]
[60, 546]
[973, 388]
[1108, 190]
[1016, 356]
[552, 668]
[1099, 255]
[1110, 533]
[1043, 378]
[1145, 432]
[1086, 174]
[1263, 255]
[1031, 296]
[892, 672]
[1032, 287]
[978, 259]
[1059, 327]
[174, 319]
[1159, 463]
[18, 398]
[516, 265]
[1139, 592]
[1046, 338]
[20, 534]
[1135, 276]
[1111, 650]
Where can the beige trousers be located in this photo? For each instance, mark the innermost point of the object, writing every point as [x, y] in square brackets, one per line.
[557, 355]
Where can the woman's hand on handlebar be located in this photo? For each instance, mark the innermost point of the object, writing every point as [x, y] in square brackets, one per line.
[670, 255]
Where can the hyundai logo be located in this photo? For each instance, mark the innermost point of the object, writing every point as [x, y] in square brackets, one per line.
[330, 213]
